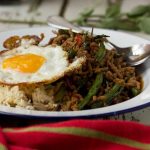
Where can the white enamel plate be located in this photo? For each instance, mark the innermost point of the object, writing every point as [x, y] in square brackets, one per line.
[118, 38]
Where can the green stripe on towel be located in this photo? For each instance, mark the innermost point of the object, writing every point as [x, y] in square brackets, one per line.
[2, 147]
[85, 132]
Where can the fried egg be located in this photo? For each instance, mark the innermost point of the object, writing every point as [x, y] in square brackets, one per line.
[34, 64]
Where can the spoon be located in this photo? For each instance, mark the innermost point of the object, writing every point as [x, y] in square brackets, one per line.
[134, 55]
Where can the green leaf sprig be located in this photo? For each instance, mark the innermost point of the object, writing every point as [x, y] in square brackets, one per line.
[138, 19]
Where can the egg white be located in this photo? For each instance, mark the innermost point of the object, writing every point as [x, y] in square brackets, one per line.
[55, 66]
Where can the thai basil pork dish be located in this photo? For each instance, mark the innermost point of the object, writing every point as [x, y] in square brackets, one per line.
[73, 71]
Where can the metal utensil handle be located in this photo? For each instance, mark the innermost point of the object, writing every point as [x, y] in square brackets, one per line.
[61, 23]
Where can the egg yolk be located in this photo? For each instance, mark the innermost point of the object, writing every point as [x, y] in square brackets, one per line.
[27, 63]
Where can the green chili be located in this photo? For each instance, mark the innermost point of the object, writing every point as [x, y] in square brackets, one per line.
[93, 90]
[134, 91]
[101, 52]
[116, 90]
[98, 80]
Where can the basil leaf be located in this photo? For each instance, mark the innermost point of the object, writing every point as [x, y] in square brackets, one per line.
[87, 13]
[144, 24]
[114, 23]
[81, 20]
[139, 11]
[113, 10]
[127, 25]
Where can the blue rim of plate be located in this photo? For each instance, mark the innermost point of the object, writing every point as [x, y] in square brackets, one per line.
[94, 116]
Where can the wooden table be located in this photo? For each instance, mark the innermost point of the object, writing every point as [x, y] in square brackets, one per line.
[25, 14]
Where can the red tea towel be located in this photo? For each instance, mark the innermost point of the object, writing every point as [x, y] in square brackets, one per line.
[77, 135]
